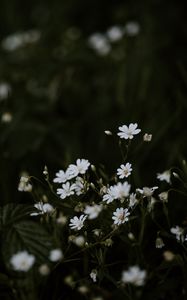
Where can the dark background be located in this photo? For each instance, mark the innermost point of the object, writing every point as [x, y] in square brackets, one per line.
[64, 95]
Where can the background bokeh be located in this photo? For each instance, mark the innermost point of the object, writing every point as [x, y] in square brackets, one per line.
[58, 92]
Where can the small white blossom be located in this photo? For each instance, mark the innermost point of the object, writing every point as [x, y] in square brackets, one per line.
[124, 170]
[22, 261]
[55, 255]
[5, 90]
[178, 232]
[77, 223]
[147, 137]
[44, 269]
[147, 191]
[132, 200]
[6, 117]
[165, 176]
[132, 28]
[61, 177]
[24, 185]
[80, 186]
[159, 243]
[110, 196]
[81, 167]
[115, 33]
[128, 132]
[134, 275]
[79, 240]
[99, 43]
[67, 190]
[93, 275]
[163, 196]
[121, 190]
[93, 211]
[42, 208]
[120, 216]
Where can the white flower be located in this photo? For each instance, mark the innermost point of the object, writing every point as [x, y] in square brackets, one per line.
[163, 196]
[93, 211]
[79, 240]
[165, 176]
[5, 90]
[81, 167]
[132, 200]
[110, 196]
[55, 255]
[159, 243]
[134, 275]
[93, 275]
[77, 223]
[147, 191]
[147, 137]
[6, 117]
[115, 33]
[128, 132]
[178, 232]
[121, 190]
[124, 170]
[22, 261]
[61, 177]
[120, 216]
[99, 43]
[44, 269]
[66, 191]
[80, 186]
[42, 208]
[24, 185]
[17, 40]
[132, 28]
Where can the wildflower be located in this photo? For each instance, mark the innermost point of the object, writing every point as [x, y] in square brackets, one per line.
[44, 269]
[93, 211]
[128, 132]
[108, 132]
[18, 40]
[80, 186]
[132, 28]
[42, 208]
[121, 190]
[61, 177]
[178, 232]
[66, 191]
[22, 261]
[159, 243]
[146, 191]
[24, 185]
[110, 195]
[124, 170]
[5, 90]
[115, 33]
[168, 255]
[165, 176]
[81, 167]
[55, 255]
[132, 200]
[147, 137]
[93, 275]
[6, 117]
[163, 196]
[77, 223]
[79, 240]
[134, 275]
[120, 216]
[99, 43]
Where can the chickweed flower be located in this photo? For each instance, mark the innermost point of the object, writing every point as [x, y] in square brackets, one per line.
[93, 275]
[178, 232]
[93, 211]
[80, 186]
[124, 170]
[42, 208]
[22, 261]
[147, 137]
[120, 216]
[159, 243]
[79, 240]
[55, 255]
[132, 200]
[24, 184]
[134, 275]
[128, 132]
[77, 223]
[165, 176]
[81, 167]
[61, 177]
[67, 190]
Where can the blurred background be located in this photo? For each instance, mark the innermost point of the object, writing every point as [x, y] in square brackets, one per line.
[71, 69]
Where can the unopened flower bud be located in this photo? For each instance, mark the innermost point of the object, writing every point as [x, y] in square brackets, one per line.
[147, 137]
[159, 243]
[108, 132]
